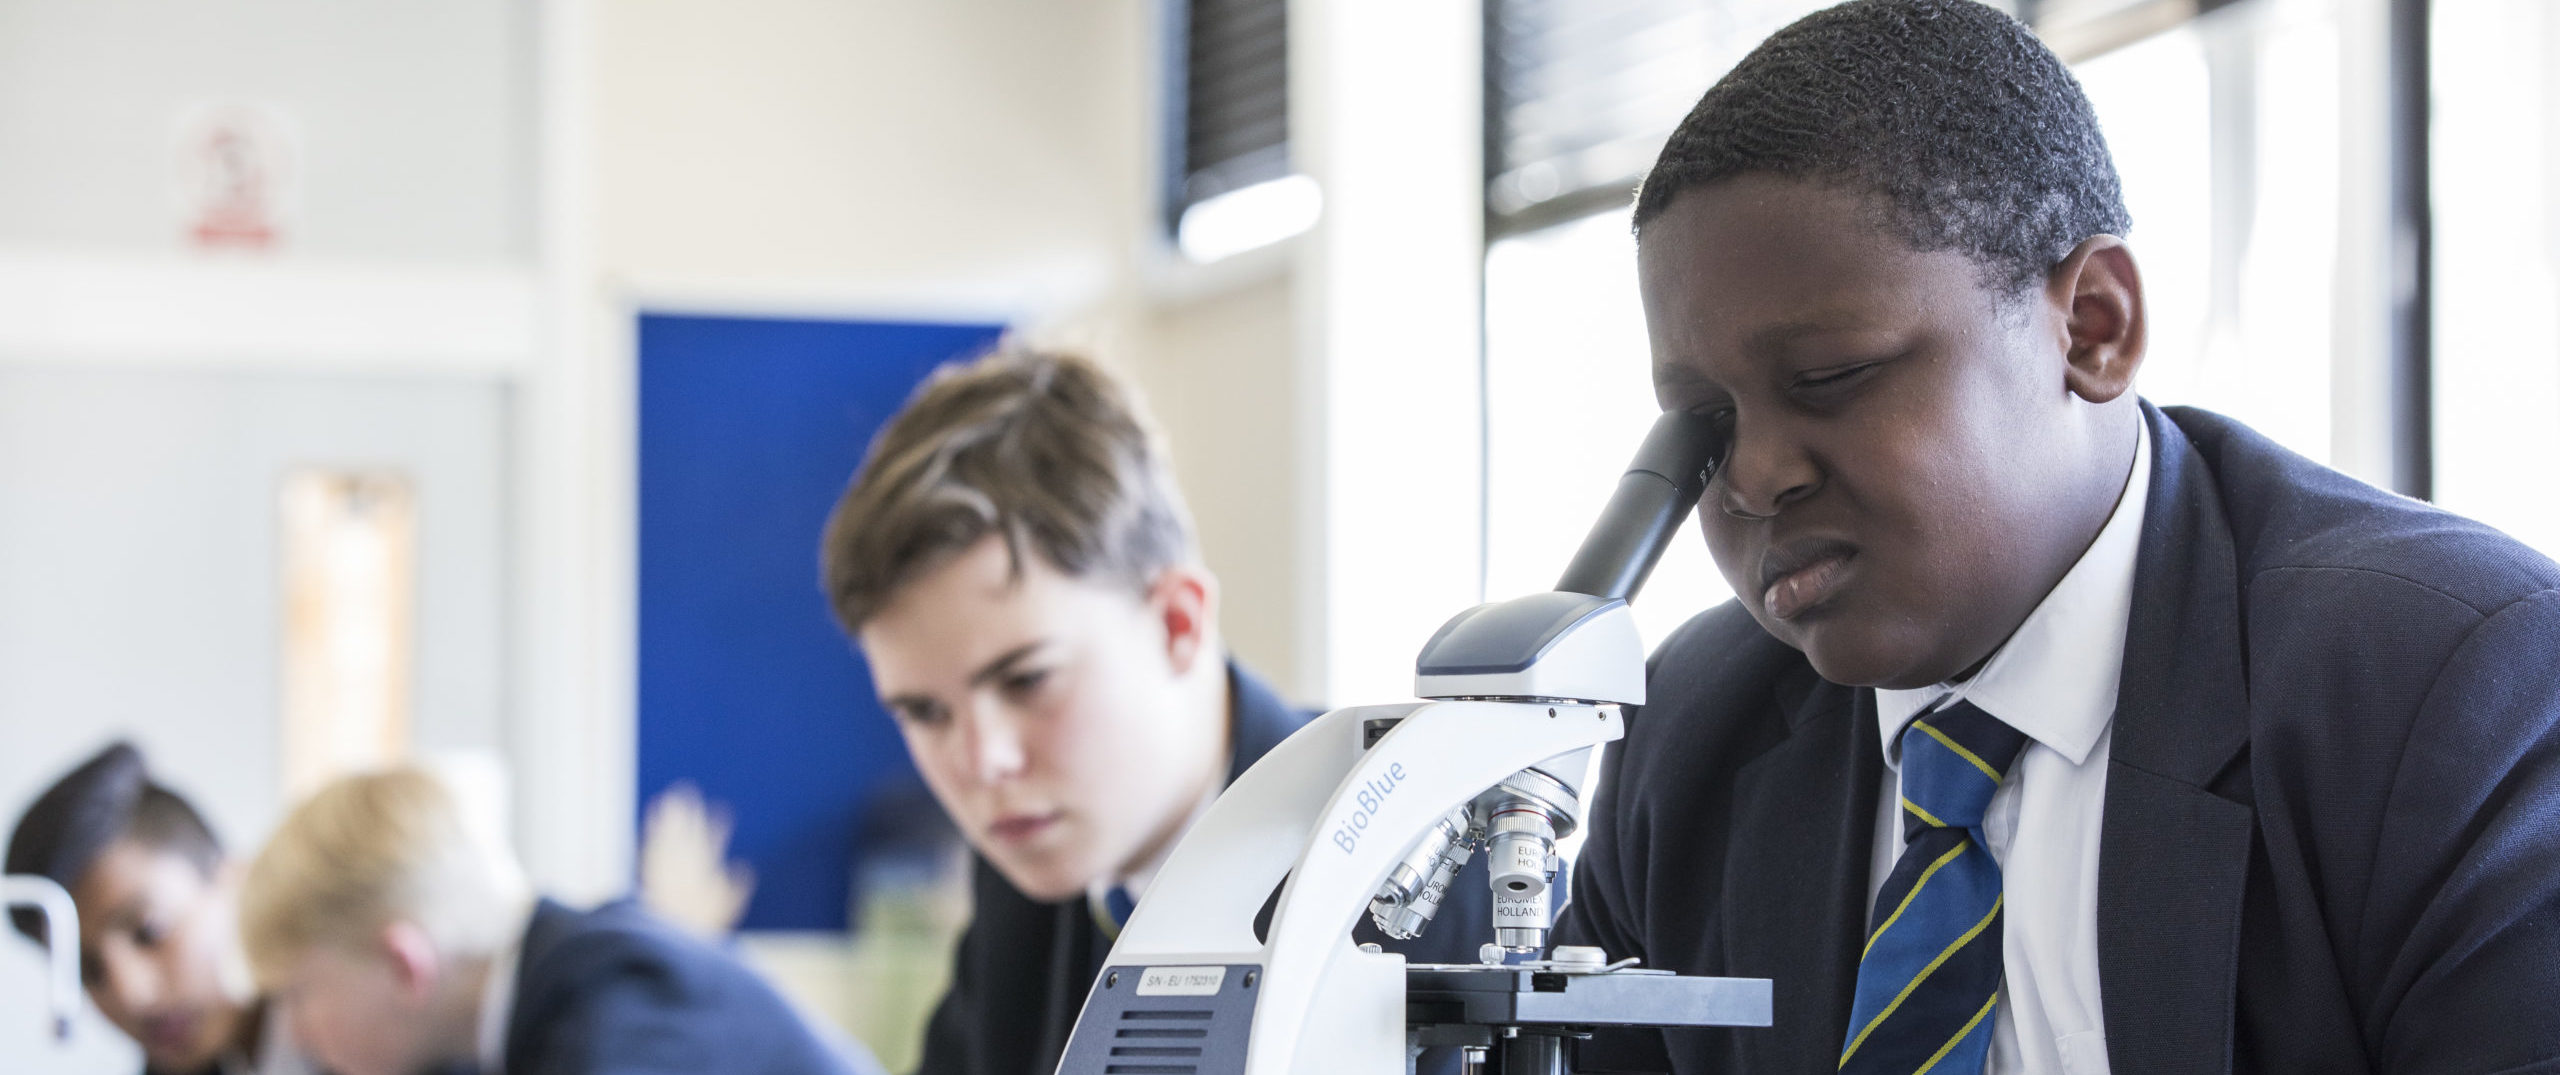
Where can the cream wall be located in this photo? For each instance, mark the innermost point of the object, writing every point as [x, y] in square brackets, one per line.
[1220, 374]
[983, 158]
[873, 147]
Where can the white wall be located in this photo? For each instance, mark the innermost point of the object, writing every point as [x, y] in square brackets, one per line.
[150, 400]
[415, 139]
[139, 584]
[139, 589]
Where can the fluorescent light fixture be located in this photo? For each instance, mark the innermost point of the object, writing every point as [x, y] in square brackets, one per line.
[1255, 216]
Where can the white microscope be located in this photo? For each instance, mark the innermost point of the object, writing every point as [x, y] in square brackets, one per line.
[41, 896]
[1378, 807]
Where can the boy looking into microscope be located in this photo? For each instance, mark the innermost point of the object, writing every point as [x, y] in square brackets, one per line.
[1018, 568]
[2053, 731]
[159, 946]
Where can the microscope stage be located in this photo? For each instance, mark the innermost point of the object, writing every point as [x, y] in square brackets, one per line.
[1488, 996]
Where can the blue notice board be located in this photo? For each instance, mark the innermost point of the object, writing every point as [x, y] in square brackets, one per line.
[749, 430]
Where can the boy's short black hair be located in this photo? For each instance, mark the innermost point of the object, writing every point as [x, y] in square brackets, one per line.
[1973, 134]
[109, 797]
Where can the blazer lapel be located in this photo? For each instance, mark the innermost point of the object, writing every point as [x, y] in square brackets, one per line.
[1077, 953]
[1258, 719]
[551, 922]
[1803, 833]
[2174, 859]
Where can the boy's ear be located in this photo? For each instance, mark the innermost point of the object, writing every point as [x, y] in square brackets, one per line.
[1185, 599]
[416, 966]
[2097, 292]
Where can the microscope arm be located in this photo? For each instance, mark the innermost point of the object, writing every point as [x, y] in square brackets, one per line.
[61, 940]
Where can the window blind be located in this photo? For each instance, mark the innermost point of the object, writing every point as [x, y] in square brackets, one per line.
[1230, 72]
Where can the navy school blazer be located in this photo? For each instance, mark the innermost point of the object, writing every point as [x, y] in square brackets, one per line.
[1023, 967]
[2331, 839]
[615, 990]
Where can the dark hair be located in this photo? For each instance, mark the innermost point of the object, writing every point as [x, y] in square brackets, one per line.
[1971, 133]
[1047, 450]
[109, 797]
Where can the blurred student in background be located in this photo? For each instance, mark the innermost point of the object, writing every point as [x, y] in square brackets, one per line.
[1016, 564]
[400, 937]
[159, 948]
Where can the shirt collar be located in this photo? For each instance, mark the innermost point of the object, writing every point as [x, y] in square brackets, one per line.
[2055, 679]
[1135, 884]
[498, 1001]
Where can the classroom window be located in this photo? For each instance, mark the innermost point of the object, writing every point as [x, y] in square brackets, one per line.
[1229, 183]
[2497, 242]
[2226, 131]
[1579, 94]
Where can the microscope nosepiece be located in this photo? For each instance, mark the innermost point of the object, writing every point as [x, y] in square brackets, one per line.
[1517, 856]
[1413, 890]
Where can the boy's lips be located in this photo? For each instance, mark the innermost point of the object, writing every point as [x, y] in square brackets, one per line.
[1021, 828]
[1801, 574]
[171, 1032]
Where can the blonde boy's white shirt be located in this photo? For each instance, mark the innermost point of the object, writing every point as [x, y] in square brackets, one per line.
[2055, 679]
[498, 1000]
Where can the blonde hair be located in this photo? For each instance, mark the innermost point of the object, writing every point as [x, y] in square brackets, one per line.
[1046, 449]
[369, 850]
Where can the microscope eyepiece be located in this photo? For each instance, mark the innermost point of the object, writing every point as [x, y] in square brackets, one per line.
[1670, 472]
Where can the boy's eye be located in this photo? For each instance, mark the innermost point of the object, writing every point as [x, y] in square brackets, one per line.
[1719, 417]
[1834, 376]
[1720, 414]
[148, 934]
[1021, 683]
[925, 714]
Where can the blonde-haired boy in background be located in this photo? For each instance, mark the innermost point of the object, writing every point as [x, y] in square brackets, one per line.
[400, 937]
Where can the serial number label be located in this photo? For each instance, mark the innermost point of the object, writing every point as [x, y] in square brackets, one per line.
[1181, 981]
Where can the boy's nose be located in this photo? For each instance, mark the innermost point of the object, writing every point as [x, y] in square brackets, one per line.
[131, 980]
[1764, 472]
[995, 750]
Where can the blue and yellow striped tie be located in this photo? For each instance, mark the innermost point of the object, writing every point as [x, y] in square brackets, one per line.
[1112, 911]
[1929, 980]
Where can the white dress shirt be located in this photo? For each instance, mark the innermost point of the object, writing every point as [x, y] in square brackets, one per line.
[2055, 680]
[498, 1000]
